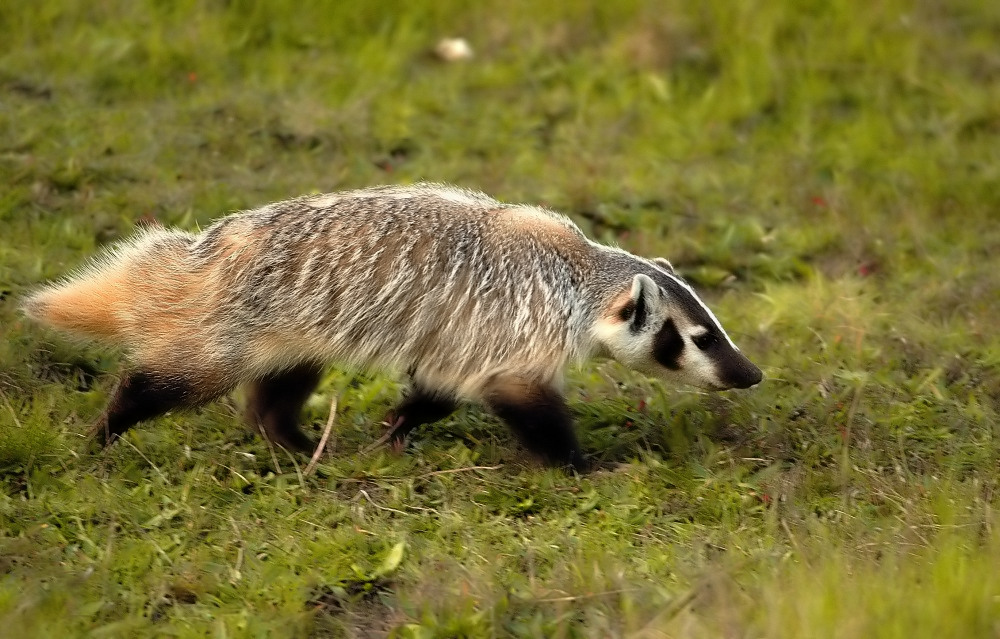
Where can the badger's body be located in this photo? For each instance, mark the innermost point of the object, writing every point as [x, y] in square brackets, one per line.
[473, 298]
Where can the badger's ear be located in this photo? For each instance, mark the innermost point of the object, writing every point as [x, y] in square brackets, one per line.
[644, 293]
[664, 264]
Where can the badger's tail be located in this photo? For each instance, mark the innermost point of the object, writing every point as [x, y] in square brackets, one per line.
[103, 300]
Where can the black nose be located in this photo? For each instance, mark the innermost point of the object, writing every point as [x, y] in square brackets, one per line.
[742, 374]
[753, 377]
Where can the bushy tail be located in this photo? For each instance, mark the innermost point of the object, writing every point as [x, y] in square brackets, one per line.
[99, 301]
[87, 307]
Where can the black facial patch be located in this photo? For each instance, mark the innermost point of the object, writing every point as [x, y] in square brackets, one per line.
[668, 346]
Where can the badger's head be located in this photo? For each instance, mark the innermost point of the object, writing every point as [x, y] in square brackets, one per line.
[661, 327]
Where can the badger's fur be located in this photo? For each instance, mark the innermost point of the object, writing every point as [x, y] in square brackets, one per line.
[474, 299]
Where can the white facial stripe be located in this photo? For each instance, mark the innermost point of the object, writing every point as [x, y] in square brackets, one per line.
[690, 290]
[698, 331]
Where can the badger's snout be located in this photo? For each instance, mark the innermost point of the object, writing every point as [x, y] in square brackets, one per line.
[750, 377]
[736, 371]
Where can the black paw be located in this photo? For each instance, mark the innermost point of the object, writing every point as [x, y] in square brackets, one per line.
[580, 464]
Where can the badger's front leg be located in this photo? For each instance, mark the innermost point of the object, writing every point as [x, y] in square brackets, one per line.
[538, 415]
[420, 407]
[275, 404]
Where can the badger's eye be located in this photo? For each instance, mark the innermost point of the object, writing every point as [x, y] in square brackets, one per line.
[705, 341]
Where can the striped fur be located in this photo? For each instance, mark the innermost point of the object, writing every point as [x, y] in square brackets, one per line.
[461, 291]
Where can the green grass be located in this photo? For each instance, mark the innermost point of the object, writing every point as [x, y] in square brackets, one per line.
[825, 172]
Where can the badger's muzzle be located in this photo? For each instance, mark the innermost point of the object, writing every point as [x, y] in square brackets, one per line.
[736, 371]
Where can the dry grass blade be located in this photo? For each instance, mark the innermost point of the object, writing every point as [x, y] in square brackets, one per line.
[311, 466]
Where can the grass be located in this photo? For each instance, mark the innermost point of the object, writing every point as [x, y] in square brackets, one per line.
[825, 173]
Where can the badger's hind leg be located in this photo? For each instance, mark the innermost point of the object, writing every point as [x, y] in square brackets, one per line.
[143, 395]
[539, 417]
[275, 404]
[421, 406]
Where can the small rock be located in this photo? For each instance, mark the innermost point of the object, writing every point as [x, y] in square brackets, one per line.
[453, 49]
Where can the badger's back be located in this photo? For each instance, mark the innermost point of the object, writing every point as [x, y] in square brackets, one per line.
[448, 284]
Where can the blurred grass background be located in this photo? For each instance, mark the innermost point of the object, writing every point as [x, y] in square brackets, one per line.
[826, 173]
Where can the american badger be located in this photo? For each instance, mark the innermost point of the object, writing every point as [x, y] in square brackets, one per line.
[474, 299]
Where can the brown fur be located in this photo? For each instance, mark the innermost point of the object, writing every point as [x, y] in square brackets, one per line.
[88, 308]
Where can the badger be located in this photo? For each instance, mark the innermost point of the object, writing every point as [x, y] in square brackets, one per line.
[474, 299]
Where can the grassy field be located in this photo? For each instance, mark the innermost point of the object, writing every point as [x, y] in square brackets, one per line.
[826, 173]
